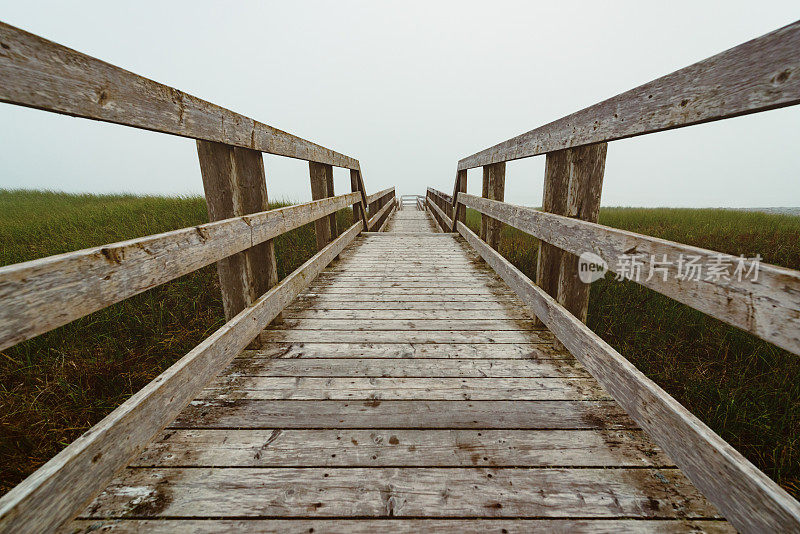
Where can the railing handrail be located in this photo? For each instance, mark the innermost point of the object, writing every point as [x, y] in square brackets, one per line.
[759, 75]
[45, 75]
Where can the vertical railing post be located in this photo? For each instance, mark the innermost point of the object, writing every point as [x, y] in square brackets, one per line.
[322, 187]
[360, 209]
[235, 185]
[572, 186]
[459, 211]
[494, 184]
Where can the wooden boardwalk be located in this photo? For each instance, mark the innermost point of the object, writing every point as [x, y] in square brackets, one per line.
[405, 390]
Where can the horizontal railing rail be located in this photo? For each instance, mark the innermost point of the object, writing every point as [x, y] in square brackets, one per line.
[767, 306]
[42, 74]
[40, 295]
[381, 205]
[759, 75]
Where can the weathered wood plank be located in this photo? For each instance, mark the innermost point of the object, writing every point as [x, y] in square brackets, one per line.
[413, 314]
[56, 491]
[376, 220]
[376, 414]
[759, 75]
[405, 367]
[534, 351]
[458, 325]
[396, 388]
[276, 335]
[423, 448]
[494, 184]
[321, 178]
[39, 295]
[398, 492]
[42, 74]
[379, 195]
[323, 298]
[402, 526]
[747, 497]
[235, 185]
[309, 302]
[768, 307]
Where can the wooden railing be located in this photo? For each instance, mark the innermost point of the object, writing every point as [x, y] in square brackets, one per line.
[759, 75]
[40, 295]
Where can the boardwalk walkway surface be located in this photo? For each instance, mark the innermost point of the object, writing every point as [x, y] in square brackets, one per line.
[406, 390]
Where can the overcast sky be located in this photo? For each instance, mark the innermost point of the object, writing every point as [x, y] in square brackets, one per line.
[408, 88]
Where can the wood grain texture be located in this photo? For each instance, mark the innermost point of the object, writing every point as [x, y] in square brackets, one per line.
[39, 295]
[745, 495]
[390, 414]
[490, 367]
[759, 75]
[583, 169]
[322, 187]
[402, 526]
[235, 184]
[377, 220]
[56, 491]
[45, 75]
[537, 351]
[401, 492]
[494, 184]
[768, 307]
[421, 448]
[398, 388]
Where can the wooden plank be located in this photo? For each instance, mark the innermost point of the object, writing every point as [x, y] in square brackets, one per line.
[444, 221]
[357, 184]
[379, 195]
[405, 367]
[391, 414]
[275, 335]
[747, 497]
[396, 388]
[381, 313]
[324, 298]
[419, 325]
[494, 184]
[423, 448]
[41, 74]
[39, 295]
[759, 75]
[235, 184]
[526, 351]
[56, 491]
[321, 177]
[377, 220]
[767, 307]
[398, 492]
[460, 186]
[581, 169]
[402, 526]
[309, 302]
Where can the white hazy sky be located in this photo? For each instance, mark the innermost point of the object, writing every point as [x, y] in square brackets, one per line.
[408, 88]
